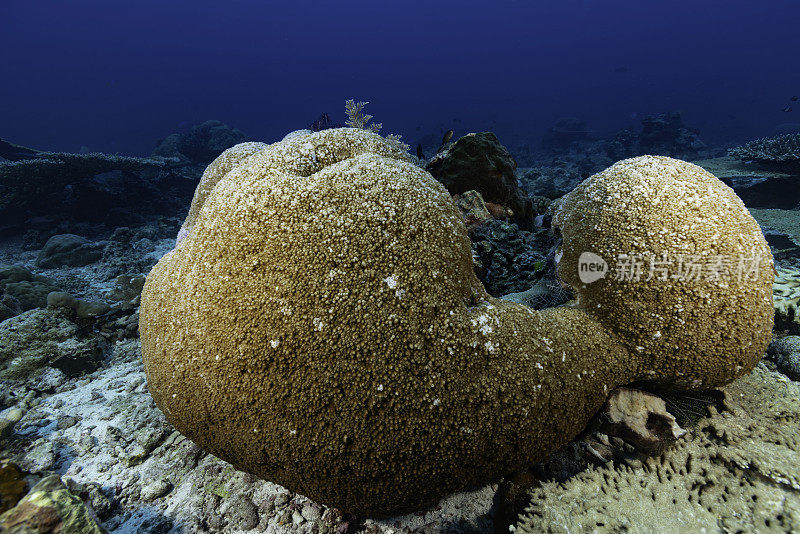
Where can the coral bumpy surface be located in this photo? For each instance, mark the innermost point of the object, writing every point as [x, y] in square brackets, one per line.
[321, 327]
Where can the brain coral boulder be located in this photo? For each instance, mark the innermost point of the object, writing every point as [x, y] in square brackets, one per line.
[321, 327]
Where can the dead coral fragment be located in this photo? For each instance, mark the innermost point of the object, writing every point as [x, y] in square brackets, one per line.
[640, 418]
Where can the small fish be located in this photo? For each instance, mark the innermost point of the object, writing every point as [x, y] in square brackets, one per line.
[794, 98]
[447, 136]
[787, 109]
[420, 154]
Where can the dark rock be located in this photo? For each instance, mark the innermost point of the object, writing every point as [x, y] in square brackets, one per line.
[76, 186]
[781, 244]
[92, 493]
[201, 144]
[12, 152]
[9, 307]
[479, 162]
[33, 240]
[766, 191]
[667, 135]
[785, 353]
[511, 259]
[552, 181]
[126, 252]
[128, 287]
[512, 498]
[758, 187]
[68, 250]
[563, 133]
[85, 194]
[624, 144]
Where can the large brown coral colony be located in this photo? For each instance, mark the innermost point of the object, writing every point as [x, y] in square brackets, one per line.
[321, 326]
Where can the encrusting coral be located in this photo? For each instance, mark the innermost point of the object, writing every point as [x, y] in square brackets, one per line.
[321, 326]
[736, 473]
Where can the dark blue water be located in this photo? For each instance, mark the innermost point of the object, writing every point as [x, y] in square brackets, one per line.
[115, 76]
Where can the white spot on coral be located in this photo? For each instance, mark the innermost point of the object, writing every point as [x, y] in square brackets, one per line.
[318, 324]
[482, 322]
[380, 387]
[274, 343]
[436, 402]
[391, 281]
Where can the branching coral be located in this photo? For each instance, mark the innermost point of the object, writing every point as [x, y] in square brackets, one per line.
[779, 149]
[321, 325]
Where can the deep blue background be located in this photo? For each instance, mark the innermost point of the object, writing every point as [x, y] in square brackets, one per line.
[115, 76]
